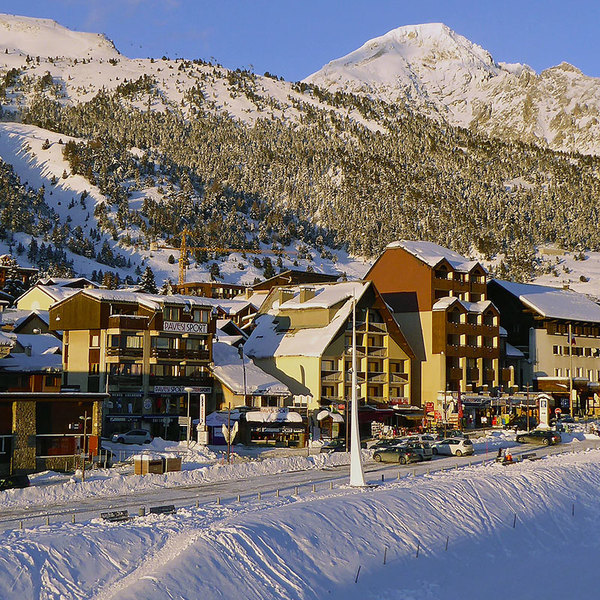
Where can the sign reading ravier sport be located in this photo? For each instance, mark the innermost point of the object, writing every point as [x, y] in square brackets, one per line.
[187, 327]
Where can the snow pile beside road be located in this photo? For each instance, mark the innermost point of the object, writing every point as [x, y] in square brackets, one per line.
[112, 482]
[311, 547]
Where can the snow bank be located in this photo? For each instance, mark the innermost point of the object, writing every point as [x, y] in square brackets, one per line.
[312, 546]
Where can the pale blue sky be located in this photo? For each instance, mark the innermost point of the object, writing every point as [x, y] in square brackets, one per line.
[294, 38]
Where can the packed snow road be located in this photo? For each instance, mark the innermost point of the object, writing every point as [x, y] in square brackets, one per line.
[241, 489]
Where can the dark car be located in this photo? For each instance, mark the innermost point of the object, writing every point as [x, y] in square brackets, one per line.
[423, 449]
[399, 454]
[520, 423]
[386, 443]
[338, 445]
[14, 481]
[539, 436]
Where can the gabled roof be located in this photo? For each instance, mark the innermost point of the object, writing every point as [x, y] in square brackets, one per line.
[433, 254]
[55, 292]
[472, 307]
[230, 371]
[44, 353]
[268, 339]
[553, 303]
[152, 301]
[69, 282]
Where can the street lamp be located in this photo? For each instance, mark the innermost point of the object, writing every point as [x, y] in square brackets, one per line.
[189, 390]
[85, 419]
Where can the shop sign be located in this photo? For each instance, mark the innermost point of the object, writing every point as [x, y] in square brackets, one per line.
[180, 389]
[179, 327]
[400, 401]
[429, 407]
[202, 414]
[147, 404]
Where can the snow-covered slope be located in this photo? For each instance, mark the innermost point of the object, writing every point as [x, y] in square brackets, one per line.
[479, 532]
[45, 37]
[434, 70]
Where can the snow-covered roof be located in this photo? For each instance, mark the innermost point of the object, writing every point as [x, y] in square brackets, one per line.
[7, 339]
[269, 340]
[554, 303]
[152, 301]
[67, 282]
[230, 306]
[44, 354]
[472, 307]
[15, 317]
[513, 352]
[56, 292]
[432, 254]
[325, 295]
[283, 415]
[228, 369]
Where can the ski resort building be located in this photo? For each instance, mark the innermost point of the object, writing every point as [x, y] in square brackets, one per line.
[439, 299]
[558, 332]
[151, 353]
[303, 337]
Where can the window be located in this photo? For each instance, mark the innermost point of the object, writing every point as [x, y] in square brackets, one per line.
[556, 350]
[94, 340]
[126, 369]
[454, 316]
[488, 319]
[171, 313]
[165, 343]
[94, 369]
[200, 316]
[441, 272]
[472, 318]
[115, 341]
[557, 372]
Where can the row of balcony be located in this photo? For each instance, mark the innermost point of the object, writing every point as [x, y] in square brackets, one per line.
[372, 377]
[136, 380]
[167, 353]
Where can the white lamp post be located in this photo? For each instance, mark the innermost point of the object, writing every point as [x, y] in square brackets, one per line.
[85, 419]
[189, 390]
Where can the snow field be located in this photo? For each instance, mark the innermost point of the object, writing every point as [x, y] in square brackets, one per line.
[312, 546]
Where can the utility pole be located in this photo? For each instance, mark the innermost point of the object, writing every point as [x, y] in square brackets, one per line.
[570, 369]
[229, 433]
[85, 420]
[527, 404]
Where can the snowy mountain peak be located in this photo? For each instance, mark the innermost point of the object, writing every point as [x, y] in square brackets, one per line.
[45, 37]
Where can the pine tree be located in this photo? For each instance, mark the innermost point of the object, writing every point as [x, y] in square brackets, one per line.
[147, 281]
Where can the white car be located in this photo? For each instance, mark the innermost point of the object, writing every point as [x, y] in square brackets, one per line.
[135, 436]
[454, 447]
[421, 437]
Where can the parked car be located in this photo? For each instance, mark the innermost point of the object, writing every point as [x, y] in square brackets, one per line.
[14, 481]
[540, 436]
[423, 449]
[422, 437]
[386, 443]
[520, 423]
[454, 447]
[338, 445]
[399, 454]
[135, 436]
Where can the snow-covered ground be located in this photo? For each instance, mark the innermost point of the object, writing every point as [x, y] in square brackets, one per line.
[461, 523]
[312, 546]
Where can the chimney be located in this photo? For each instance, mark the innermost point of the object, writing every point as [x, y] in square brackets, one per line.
[306, 293]
[285, 295]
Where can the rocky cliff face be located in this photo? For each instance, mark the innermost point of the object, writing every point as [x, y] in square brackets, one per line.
[434, 70]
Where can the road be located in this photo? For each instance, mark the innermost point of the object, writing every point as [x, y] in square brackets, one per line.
[287, 484]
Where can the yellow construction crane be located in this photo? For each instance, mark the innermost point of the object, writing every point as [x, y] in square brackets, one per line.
[184, 249]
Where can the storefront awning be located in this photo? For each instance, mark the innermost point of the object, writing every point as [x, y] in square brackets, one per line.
[279, 416]
[324, 414]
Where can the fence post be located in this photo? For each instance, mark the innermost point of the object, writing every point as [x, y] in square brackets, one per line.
[277, 493]
[385, 555]
[447, 540]
[515, 521]
[296, 491]
[357, 574]
[418, 548]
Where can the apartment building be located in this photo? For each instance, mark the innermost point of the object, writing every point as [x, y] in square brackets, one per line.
[439, 299]
[558, 332]
[151, 353]
[303, 336]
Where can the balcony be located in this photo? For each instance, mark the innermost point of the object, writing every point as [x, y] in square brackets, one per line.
[506, 374]
[398, 378]
[489, 375]
[376, 377]
[454, 373]
[179, 354]
[129, 322]
[473, 374]
[125, 352]
[180, 381]
[331, 377]
[377, 351]
[377, 327]
[122, 380]
[360, 351]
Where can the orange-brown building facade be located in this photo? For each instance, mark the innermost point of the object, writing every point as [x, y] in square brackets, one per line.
[439, 299]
